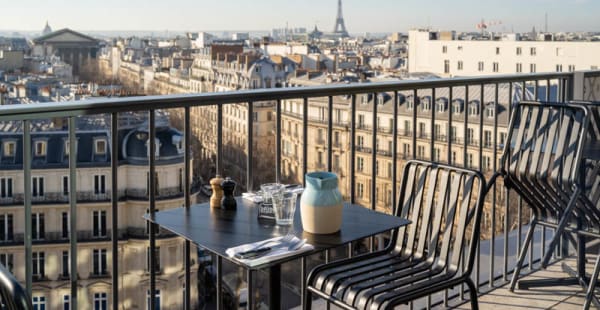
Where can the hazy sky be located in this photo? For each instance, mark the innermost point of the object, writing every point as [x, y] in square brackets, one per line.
[360, 15]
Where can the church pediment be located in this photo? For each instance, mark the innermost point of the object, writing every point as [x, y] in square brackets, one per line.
[65, 36]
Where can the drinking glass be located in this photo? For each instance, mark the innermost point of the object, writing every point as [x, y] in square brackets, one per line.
[284, 206]
[269, 191]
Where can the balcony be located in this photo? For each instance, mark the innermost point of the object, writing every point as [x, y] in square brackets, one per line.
[501, 234]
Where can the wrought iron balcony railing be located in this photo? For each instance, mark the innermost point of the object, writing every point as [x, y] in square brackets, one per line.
[500, 238]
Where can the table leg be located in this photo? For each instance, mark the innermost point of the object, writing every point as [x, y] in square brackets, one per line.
[219, 283]
[303, 280]
[250, 289]
[275, 287]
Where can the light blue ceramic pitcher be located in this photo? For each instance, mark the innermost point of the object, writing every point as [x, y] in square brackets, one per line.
[321, 203]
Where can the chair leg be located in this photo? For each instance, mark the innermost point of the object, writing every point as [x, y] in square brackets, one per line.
[473, 294]
[515, 277]
[560, 229]
[592, 285]
[307, 305]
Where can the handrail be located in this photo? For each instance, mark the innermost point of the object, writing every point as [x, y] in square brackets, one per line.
[104, 105]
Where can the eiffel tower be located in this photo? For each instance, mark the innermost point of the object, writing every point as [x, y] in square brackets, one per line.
[340, 28]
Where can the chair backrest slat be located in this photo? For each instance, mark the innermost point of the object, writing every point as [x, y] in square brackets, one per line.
[541, 137]
[416, 209]
[441, 206]
[404, 203]
[515, 152]
[426, 212]
[553, 122]
[571, 164]
[463, 220]
[528, 143]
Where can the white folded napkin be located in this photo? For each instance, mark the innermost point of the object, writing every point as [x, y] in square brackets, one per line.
[254, 197]
[275, 253]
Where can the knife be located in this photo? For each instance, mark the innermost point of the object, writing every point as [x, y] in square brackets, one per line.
[261, 251]
[252, 253]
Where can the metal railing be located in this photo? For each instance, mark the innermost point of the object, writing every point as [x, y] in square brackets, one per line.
[495, 243]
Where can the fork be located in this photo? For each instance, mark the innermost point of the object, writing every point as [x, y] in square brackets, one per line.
[285, 239]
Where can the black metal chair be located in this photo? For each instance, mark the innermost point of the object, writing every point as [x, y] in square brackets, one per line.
[12, 295]
[542, 162]
[444, 204]
[589, 202]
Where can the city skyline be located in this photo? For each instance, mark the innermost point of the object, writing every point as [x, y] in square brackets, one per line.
[360, 16]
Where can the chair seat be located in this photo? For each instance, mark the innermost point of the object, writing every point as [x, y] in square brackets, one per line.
[370, 282]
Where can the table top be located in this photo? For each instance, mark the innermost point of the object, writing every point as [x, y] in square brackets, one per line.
[217, 230]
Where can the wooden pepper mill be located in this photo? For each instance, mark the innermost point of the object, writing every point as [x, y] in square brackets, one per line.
[217, 191]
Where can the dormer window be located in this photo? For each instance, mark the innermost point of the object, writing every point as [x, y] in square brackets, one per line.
[178, 142]
[364, 99]
[473, 108]
[457, 107]
[440, 105]
[100, 146]
[380, 99]
[10, 148]
[490, 112]
[67, 145]
[426, 104]
[410, 103]
[39, 148]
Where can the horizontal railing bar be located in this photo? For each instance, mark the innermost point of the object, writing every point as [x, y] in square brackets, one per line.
[143, 103]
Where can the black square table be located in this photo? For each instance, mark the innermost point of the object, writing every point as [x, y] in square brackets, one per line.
[216, 230]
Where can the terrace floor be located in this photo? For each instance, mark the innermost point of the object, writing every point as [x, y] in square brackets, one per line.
[558, 297]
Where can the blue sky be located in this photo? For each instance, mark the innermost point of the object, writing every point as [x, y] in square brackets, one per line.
[360, 15]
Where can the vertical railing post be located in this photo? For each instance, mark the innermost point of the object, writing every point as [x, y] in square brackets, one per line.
[352, 148]
[578, 86]
[304, 140]
[395, 153]
[414, 123]
[374, 164]
[188, 202]
[374, 154]
[480, 144]
[114, 164]
[250, 146]
[27, 203]
[494, 168]
[219, 168]
[73, 208]
[152, 200]
[278, 142]
[432, 127]
[330, 134]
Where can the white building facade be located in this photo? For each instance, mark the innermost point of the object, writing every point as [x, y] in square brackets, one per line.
[451, 57]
